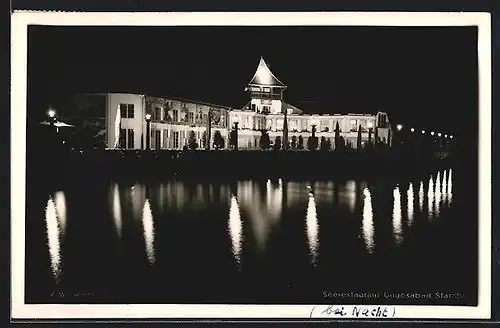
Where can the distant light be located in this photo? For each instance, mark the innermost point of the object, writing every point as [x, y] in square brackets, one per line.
[439, 134]
[51, 113]
[446, 136]
[399, 127]
[451, 137]
[412, 130]
[148, 117]
[423, 131]
[432, 133]
[369, 125]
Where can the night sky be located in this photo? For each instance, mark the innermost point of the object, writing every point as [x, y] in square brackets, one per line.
[423, 77]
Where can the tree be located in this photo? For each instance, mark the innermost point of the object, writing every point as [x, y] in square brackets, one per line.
[265, 142]
[329, 144]
[358, 140]
[277, 143]
[233, 138]
[218, 140]
[312, 143]
[300, 142]
[204, 139]
[324, 144]
[192, 144]
[294, 142]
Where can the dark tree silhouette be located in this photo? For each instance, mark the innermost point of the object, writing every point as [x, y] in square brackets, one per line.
[204, 139]
[323, 144]
[312, 143]
[329, 144]
[265, 142]
[192, 144]
[294, 142]
[218, 140]
[358, 141]
[233, 139]
[277, 143]
[300, 142]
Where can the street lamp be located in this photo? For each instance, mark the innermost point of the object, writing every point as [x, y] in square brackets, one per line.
[412, 130]
[148, 131]
[423, 131]
[432, 133]
[236, 121]
[451, 137]
[439, 134]
[313, 128]
[52, 116]
[399, 127]
[446, 136]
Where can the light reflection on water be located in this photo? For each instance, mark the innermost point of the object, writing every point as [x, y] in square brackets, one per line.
[367, 224]
[421, 196]
[430, 199]
[116, 208]
[437, 195]
[312, 228]
[53, 238]
[264, 206]
[449, 191]
[411, 199]
[148, 230]
[235, 228]
[397, 228]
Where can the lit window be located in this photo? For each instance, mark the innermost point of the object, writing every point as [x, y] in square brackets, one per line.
[123, 110]
[158, 139]
[130, 139]
[176, 139]
[157, 114]
[126, 110]
[123, 139]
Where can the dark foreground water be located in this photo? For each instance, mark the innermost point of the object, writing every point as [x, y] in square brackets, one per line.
[259, 241]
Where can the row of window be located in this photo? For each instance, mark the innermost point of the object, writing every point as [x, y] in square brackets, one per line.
[127, 111]
[127, 138]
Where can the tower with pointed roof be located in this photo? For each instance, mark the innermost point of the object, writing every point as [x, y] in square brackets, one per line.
[265, 91]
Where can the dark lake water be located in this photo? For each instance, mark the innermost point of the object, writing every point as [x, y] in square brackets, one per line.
[258, 241]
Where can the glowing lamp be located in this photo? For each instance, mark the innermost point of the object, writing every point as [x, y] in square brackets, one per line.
[451, 137]
[446, 136]
[423, 131]
[353, 121]
[236, 119]
[313, 121]
[439, 134]
[369, 125]
[51, 113]
[148, 117]
[399, 127]
[412, 130]
[432, 133]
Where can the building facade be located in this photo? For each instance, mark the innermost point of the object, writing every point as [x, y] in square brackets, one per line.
[178, 123]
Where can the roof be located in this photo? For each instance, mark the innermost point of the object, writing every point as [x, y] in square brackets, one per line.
[264, 76]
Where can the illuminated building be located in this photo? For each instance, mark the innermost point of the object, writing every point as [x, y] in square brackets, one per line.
[176, 123]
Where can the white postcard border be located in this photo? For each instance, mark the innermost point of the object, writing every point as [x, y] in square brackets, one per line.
[20, 22]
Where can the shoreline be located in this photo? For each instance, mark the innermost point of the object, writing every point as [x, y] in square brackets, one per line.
[220, 165]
